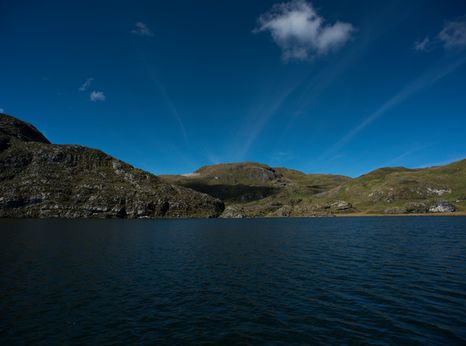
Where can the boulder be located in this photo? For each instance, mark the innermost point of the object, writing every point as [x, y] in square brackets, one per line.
[416, 208]
[442, 207]
[231, 212]
[341, 206]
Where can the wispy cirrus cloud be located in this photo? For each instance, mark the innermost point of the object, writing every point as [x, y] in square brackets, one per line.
[452, 36]
[97, 96]
[160, 90]
[399, 159]
[260, 116]
[168, 101]
[86, 84]
[142, 29]
[302, 92]
[424, 81]
[300, 32]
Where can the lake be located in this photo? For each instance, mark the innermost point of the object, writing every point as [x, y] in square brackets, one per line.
[351, 280]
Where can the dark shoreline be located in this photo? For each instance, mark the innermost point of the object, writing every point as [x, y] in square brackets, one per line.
[355, 215]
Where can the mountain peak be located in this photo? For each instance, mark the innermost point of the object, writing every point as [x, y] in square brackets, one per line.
[13, 127]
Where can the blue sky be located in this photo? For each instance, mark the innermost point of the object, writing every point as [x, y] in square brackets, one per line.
[168, 86]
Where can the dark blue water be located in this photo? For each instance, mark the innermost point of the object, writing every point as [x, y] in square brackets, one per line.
[277, 281]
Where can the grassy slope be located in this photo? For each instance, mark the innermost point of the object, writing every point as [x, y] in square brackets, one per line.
[397, 187]
[259, 190]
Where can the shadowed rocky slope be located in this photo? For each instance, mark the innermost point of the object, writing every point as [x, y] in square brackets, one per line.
[251, 189]
[39, 179]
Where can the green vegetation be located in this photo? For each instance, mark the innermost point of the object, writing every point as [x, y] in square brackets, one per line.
[254, 189]
[251, 189]
[401, 190]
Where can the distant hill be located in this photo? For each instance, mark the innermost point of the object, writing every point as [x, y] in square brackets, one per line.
[39, 179]
[252, 189]
[398, 190]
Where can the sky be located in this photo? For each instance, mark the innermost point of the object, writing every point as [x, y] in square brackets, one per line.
[339, 87]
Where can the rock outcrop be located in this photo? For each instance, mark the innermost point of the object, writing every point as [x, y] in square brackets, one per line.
[233, 213]
[442, 207]
[39, 179]
[398, 190]
[340, 206]
[422, 208]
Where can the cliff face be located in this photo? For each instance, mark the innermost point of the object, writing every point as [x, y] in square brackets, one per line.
[39, 179]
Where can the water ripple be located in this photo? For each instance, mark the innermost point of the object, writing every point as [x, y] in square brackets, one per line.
[378, 281]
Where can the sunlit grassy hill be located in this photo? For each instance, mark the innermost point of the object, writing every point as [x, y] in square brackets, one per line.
[402, 190]
[253, 189]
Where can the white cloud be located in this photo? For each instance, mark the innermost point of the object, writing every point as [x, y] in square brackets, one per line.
[97, 96]
[453, 35]
[423, 45]
[2, 110]
[300, 32]
[142, 29]
[86, 84]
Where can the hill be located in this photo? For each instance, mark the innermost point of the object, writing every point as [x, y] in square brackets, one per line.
[39, 179]
[400, 190]
[252, 189]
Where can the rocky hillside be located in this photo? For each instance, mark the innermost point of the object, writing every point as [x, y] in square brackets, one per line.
[251, 189]
[399, 190]
[39, 179]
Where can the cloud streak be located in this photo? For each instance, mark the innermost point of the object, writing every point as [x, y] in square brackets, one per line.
[86, 84]
[260, 117]
[300, 32]
[424, 81]
[301, 92]
[400, 158]
[169, 102]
